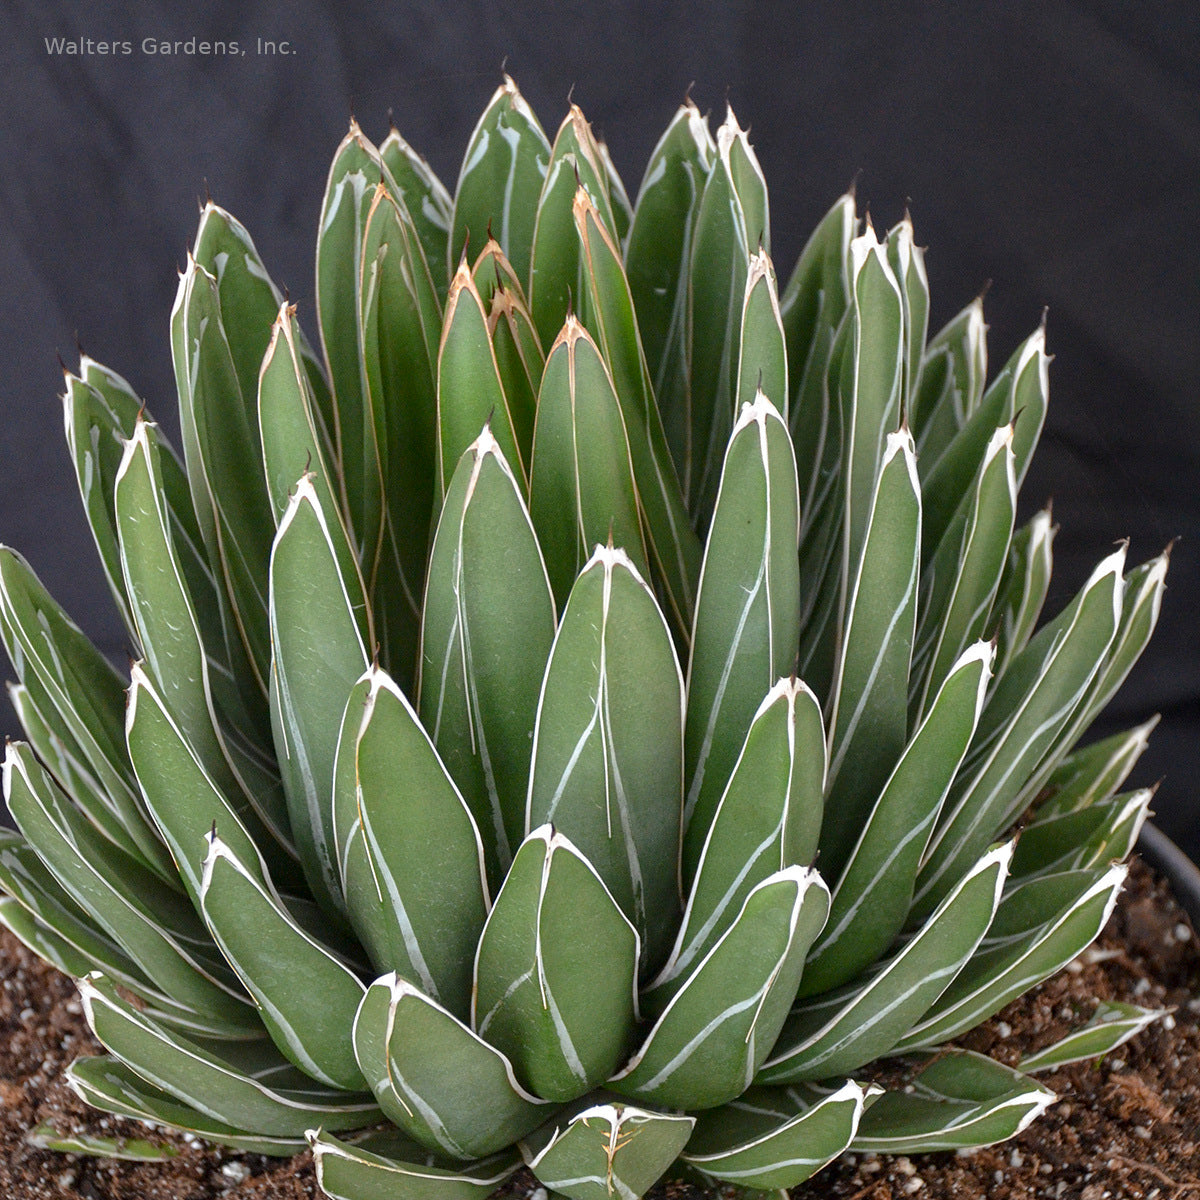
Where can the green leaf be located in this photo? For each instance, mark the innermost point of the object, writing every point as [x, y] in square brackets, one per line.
[612, 322]
[618, 197]
[112, 1087]
[811, 309]
[958, 1100]
[184, 798]
[506, 161]
[777, 1137]
[607, 745]
[422, 846]
[156, 926]
[657, 262]
[843, 1029]
[1111, 1025]
[762, 354]
[121, 1149]
[247, 1086]
[872, 894]
[581, 487]
[318, 628]
[1026, 710]
[400, 320]
[435, 1079]
[349, 1171]
[1086, 837]
[1095, 772]
[427, 200]
[907, 261]
[469, 389]
[1040, 926]
[606, 1151]
[223, 452]
[950, 387]
[768, 819]
[720, 1026]
[556, 971]
[1023, 587]
[554, 280]
[66, 674]
[519, 358]
[175, 658]
[747, 612]
[1017, 397]
[959, 583]
[306, 996]
[868, 708]
[488, 625]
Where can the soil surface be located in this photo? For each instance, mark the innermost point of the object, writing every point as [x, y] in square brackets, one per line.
[1126, 1127]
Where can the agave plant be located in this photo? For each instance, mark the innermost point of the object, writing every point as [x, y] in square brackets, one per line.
[582, 717]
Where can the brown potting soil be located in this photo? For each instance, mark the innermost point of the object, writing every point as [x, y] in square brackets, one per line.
[1123, 1128]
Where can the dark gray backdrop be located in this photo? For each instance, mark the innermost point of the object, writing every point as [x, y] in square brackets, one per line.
[1052, 148]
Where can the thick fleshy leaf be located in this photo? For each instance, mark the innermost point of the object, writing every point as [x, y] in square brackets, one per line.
[65, 673]
[109, 1085]
[768, 819]
[427, 200]
[581, 488]
[607, 746]
[318, 626]
[400, 321]
[950, 386]
[960, 581]
[500, 180]
[610, 318]
[658, 259]
[1040, 926]
[575, 163]
[156, 926]
[907, 261]
[556, 971]
[868, 710]
[1104, 831]
[121, 1149]
[353, 175]
[713, 1036]
[352, 1171]
[422, 846]
[811, 308]
[747, 612]
[1026, 710]
[488, 625]
[519, 355]
[435, 1079]
[306, 996]
[606, 1151]
[1023, 587]
[772, 1138]
[175, 658]
[870, 385]
[1095, 772]
[222, 449]
[183, 798]
[1018, 397]
[843, 1029]
[249, 1086]
[957, 1100]
[470, 392]
[762, 354]
[1111, 1025]
[872, 894]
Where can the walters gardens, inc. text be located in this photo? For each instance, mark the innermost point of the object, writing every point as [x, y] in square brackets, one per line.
[159, 47]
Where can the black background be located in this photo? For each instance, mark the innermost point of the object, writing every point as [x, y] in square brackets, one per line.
[1051, 148]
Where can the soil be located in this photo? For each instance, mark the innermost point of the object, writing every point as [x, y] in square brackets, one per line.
[1126, 1127]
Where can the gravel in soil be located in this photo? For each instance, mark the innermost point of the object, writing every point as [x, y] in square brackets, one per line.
[1123, 1128]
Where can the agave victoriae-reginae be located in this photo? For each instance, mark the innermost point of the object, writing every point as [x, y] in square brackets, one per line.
[580, 718]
